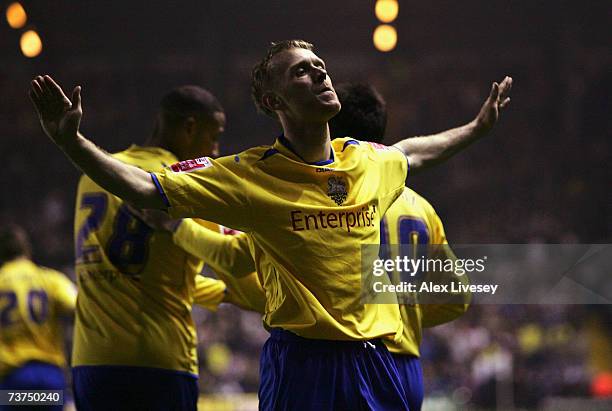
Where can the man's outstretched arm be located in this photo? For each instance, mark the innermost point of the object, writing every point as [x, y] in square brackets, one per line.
[427, 151]
[60, 119]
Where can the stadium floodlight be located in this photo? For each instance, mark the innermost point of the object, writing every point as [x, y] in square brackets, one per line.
[386, 10]
[16, 15]
[385, 38]
[30, 43]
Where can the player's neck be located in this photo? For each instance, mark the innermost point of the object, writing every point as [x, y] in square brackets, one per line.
[311, 142]
[156, 141]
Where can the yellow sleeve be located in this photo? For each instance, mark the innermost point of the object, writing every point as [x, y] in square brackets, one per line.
[229, 254]
[436, 314]
[209, 293]
[393, 170]
[214, 190]
[230, 258]
[245, 292]
[64, 292]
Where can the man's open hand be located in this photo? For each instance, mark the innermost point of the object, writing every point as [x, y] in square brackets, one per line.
[59, 116]
[497, 100]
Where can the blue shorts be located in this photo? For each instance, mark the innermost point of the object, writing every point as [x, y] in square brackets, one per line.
[305, 374]
[411, 377]
[35, 376]
[133, 388]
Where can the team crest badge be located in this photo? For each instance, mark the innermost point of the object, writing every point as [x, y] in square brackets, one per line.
[336, 190]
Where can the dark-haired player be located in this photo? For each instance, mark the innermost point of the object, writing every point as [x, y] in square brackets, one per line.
[135, 341]
[410, 220]
[363, 114]
[308, 204]
[33, 302]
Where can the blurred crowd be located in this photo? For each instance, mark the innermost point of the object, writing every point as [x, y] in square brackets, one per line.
[495, 357]
[499, 357]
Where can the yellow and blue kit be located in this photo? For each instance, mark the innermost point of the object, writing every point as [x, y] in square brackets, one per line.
[412, 220]
[33, 300]
[136, 290]
[306, 224]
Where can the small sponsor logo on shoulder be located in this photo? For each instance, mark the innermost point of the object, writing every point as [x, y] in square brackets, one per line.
[228, 231]
[380, 147]
[190, 165]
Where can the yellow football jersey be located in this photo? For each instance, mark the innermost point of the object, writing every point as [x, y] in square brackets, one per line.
[230, 258]
[307, 223]
[412, 220]
[136, 286]
[32, 301]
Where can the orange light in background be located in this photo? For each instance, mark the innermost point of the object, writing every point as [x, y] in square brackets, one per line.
[385, 38]
[386, 10]
[30, 44]
[16, 15]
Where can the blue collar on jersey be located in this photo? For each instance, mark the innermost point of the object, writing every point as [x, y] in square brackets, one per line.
[283, 140]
